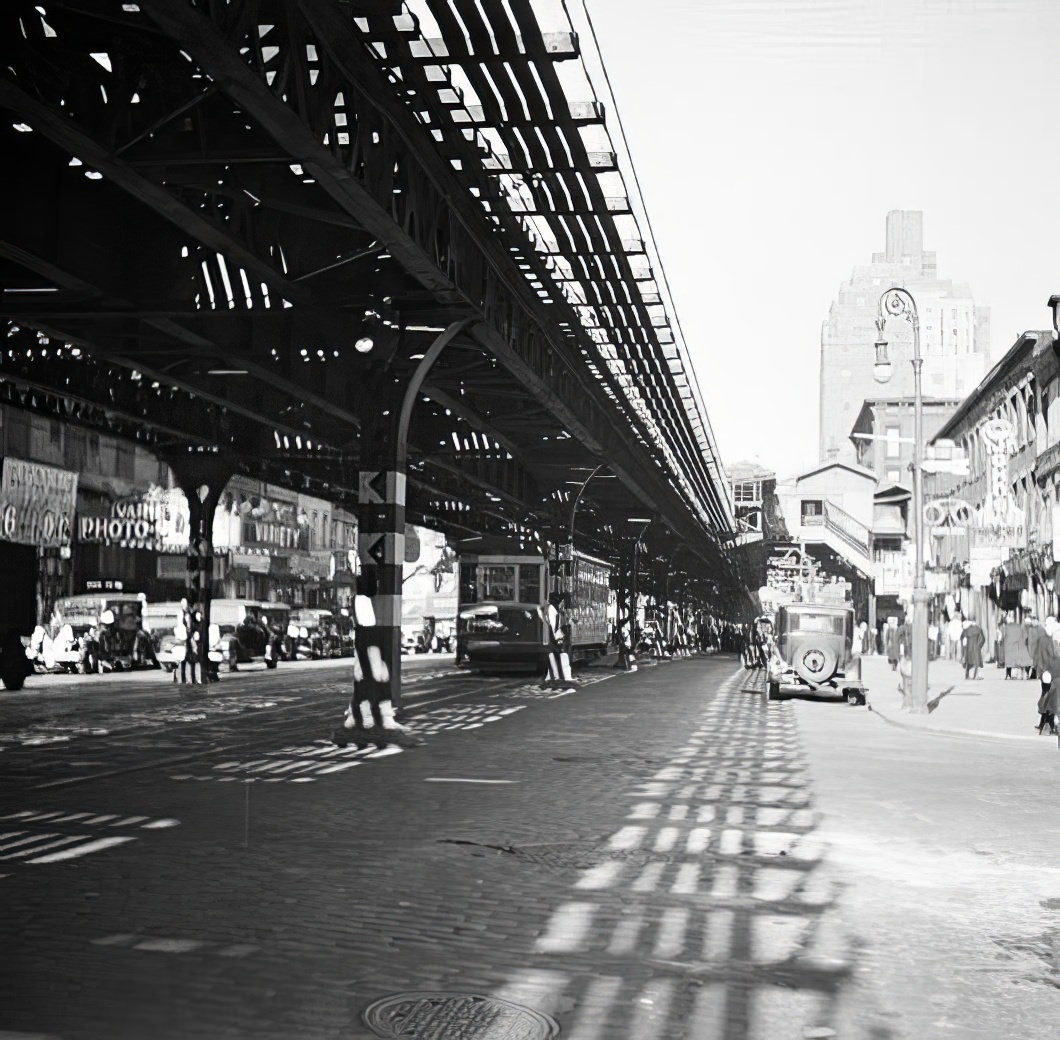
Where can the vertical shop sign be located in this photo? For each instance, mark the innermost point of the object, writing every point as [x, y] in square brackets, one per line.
[37, 503]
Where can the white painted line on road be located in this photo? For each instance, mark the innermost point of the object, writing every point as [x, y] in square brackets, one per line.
[170, 945]
[463, 780]
[157, 825]
[80, 850]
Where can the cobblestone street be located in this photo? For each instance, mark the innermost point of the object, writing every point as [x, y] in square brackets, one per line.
[640, 859]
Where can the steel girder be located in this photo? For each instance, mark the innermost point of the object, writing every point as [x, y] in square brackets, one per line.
[272, 158]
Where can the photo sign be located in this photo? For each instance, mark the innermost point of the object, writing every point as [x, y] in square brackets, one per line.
[36, 503]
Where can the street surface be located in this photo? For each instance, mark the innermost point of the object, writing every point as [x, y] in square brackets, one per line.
[662, 854]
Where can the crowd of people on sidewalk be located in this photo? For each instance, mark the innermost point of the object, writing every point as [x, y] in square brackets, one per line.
[1024, 649]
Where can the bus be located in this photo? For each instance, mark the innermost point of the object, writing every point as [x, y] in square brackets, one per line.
[500, 623]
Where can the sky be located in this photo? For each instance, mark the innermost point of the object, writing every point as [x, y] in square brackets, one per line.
[770, 139]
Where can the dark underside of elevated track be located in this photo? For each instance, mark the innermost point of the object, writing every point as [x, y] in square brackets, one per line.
[208, 204]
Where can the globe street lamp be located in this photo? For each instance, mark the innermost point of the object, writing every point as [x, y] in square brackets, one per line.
[897, 302]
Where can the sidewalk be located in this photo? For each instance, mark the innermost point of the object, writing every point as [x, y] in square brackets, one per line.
[989, 706]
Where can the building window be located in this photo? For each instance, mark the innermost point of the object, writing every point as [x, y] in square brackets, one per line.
[894, 476]
[747, 491]
[812, 508]
[894, 447]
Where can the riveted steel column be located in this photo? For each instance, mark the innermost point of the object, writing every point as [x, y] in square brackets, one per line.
[202, 477]
[385, 416]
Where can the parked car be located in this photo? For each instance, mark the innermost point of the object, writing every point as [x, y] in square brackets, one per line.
[813, 651]
[161, 621]
[114, 638]
[309, 635]
[242, 631]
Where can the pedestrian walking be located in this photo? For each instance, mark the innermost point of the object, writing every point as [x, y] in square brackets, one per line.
[627, 658]
[972, 640]
[892, 643]
[864, 640]
[1049, 708]
[558, 639]
[1047, 655]
[904, 639]
[954, 630]
[1017, 657]
[1032, 637]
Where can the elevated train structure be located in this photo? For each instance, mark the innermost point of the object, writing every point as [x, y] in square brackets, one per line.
[387, 252]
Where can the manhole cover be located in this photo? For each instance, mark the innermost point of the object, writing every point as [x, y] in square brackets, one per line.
[456, 1016]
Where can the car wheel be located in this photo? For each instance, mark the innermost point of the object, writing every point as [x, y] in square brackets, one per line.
[14, 679]
[271, 662]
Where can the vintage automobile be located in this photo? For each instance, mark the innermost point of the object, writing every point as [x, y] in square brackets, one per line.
[813, 652]
[242, 631]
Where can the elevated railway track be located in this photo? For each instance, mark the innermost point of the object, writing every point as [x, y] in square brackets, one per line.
[389, 253]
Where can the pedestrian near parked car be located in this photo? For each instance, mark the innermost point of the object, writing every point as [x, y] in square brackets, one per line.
[892, 642]
[627, 658]
[954, 630]
[972, 641]
[558, 637]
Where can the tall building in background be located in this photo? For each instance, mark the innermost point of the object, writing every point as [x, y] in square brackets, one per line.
[954, 335]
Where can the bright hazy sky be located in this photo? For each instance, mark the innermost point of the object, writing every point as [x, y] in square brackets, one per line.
[771, 137]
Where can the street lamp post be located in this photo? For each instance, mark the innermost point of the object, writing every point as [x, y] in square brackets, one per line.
[897, 302]
[645, 523]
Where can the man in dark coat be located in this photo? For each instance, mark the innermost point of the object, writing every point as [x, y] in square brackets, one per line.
[1038, 645]
[1048, 708]
[972, 640]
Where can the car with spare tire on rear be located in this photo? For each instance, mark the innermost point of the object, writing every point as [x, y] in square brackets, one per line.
[813, 652]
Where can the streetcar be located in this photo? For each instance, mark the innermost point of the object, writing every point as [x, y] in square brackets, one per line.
[500, 623]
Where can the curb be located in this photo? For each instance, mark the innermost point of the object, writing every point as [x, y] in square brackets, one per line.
[950, 731]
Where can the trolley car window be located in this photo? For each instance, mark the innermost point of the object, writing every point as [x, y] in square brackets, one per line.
[496, 582]
[529, 583]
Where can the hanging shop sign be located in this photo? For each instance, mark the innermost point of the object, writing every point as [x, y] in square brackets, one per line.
[999, 437]
[37, 503]
[983, 561]
[155, 520]
[948, 516]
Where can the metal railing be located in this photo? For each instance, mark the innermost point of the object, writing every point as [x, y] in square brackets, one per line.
[846, 527]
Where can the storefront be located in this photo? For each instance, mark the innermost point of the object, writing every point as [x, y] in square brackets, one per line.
[37, 507]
